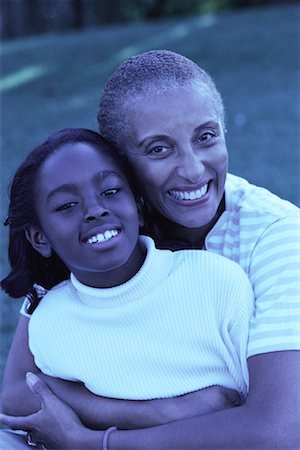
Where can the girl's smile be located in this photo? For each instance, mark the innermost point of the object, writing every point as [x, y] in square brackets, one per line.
[88, 215]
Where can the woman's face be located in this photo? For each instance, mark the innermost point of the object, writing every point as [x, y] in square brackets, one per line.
[176, 145]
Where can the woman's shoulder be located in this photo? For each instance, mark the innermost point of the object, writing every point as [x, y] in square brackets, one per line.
[243, 196]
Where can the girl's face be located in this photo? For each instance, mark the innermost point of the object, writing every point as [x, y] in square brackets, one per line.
[88, 215]
[176, 144]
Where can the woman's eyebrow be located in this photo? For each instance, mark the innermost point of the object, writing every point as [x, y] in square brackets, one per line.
[210, 123]
[154, 136]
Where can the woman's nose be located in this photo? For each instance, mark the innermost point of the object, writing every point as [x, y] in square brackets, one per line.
[95, 212]
[190, 166]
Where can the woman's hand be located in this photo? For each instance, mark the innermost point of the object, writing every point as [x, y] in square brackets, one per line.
[55, 425]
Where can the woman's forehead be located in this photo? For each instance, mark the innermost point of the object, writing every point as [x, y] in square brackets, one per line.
[175, 107]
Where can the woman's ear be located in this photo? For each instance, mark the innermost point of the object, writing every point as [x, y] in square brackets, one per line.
[38, 241]
[141, 220]
[140, 206]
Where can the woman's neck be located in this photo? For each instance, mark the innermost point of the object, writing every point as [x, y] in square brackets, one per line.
[175, 236]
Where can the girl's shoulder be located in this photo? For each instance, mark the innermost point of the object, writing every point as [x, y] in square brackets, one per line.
[37, 293]
[209, 262]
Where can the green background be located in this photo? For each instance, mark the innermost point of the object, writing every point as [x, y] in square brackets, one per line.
[55, 81]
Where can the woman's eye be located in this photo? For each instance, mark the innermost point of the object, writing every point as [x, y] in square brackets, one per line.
[66, 206]
[108, 192]
[159, 150]
[206, 137]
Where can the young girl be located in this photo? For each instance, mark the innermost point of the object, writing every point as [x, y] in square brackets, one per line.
[127, 320]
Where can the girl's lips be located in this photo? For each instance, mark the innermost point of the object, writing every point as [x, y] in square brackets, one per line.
[105, 241]
[102, 237]
[100, 233]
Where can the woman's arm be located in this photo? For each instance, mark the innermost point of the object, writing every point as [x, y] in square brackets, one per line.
[100, 412]
[94, 411]
[270, 418]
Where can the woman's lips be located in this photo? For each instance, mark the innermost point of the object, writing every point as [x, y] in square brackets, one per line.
[189, 195]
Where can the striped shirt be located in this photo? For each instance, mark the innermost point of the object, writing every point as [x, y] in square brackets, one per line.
[261, 233]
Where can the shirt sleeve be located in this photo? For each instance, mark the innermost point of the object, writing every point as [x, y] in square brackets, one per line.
[275, 277]
[27, 307]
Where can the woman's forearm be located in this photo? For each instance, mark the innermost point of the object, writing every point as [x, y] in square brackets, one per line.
[270, 418]
[101, 412]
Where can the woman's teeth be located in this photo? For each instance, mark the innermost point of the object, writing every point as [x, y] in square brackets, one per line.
[101, 237]
[189, 195]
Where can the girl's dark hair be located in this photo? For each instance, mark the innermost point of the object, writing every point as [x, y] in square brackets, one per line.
[28, 267]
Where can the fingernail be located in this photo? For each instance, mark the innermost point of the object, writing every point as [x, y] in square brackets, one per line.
[30, 378]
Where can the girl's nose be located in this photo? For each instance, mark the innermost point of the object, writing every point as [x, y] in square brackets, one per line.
[190, 166]
[95, 213]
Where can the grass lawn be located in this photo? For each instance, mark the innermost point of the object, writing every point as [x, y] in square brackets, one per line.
[55, 81]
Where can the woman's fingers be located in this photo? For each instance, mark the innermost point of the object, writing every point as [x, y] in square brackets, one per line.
[18, 422]
[39, 388]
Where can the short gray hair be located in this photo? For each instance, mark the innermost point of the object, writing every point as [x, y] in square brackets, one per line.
[148, 72]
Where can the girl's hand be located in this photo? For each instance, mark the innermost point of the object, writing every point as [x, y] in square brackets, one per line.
[55, 425]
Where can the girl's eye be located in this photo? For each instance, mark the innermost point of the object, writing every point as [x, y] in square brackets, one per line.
[66, 206]
[108, 192]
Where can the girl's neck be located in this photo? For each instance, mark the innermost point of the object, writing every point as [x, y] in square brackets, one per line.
[118, 276]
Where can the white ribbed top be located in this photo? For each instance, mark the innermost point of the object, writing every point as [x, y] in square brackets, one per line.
[179, 325]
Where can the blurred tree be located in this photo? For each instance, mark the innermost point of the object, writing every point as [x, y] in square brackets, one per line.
[27, 17]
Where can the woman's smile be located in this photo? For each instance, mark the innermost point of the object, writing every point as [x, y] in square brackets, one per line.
[177, 148]
[190, 196]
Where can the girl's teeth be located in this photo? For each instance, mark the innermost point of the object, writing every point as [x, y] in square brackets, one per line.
[108, 234]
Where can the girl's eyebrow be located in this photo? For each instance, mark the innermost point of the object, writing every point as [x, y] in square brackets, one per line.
[73, 188]
[66, 188]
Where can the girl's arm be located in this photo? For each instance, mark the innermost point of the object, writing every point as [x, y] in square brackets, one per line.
[270, 418]
[94, 411]
[17, 398]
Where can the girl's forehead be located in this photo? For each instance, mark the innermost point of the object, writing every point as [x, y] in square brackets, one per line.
[75, 159]
[76, 151]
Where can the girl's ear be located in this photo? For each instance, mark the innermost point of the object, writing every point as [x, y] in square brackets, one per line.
[38, 241]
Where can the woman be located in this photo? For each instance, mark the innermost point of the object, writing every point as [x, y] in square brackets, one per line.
[166, 115]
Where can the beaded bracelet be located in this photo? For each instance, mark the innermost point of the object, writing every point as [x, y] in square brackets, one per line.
[106, 436]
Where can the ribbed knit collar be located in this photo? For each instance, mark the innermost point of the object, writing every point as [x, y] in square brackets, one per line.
[156, 267]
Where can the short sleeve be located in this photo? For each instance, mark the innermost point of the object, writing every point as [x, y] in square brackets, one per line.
[275, 277]
[30, 303]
